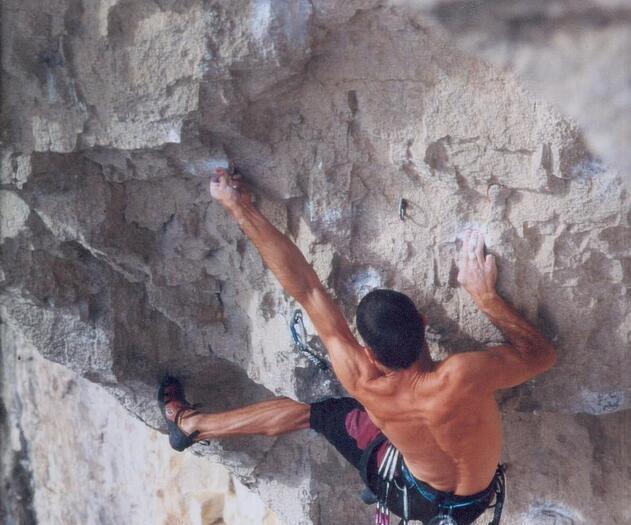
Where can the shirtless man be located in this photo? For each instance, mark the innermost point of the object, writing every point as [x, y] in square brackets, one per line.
[442, 416]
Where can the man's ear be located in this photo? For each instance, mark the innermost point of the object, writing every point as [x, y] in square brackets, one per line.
[423, 320]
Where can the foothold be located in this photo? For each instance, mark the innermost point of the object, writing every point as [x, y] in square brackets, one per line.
[403, 206]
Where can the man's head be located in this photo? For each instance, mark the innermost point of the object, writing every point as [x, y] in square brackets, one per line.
[391, 327]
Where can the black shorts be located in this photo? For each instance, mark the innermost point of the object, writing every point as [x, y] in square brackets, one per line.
[346, 425]
[331, 418]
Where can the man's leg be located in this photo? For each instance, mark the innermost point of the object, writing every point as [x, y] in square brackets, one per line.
[269, 418]
[343, 422]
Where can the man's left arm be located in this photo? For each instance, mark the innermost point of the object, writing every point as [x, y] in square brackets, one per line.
[298, 279]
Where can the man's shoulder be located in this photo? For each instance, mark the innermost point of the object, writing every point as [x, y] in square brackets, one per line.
[453, 366]
[460, 369]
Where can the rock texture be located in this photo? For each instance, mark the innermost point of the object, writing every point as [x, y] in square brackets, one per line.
[90, 462]
[116, 264]
[574, 53]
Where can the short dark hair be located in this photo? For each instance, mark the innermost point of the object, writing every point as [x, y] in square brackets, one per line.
[391, 326]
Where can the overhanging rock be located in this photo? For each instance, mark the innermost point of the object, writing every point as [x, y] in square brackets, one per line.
[116, 264]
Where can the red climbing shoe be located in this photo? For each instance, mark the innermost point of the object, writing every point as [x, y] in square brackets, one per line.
[173, 405]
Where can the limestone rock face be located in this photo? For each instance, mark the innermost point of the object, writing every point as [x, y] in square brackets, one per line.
[91, 462]
[574, 54]
[116, 264]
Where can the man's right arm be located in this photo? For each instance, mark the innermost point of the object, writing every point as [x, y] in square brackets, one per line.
[298, 279]
[528, 353]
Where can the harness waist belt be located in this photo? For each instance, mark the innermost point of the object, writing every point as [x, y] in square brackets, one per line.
[445, 500]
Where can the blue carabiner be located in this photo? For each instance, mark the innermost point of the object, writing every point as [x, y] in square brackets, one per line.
[300, 340]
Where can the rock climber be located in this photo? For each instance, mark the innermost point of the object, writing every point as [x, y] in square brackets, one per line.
[425, 435]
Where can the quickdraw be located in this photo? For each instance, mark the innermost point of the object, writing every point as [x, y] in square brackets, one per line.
[390, 465]
[299, 336]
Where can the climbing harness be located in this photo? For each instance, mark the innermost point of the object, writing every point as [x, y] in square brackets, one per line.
[299, 336]
[393, 463]
[500, 494]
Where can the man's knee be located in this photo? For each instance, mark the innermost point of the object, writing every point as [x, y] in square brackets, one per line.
[296, 418]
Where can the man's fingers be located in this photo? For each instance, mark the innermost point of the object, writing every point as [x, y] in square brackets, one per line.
[217, 176]
[472, 249]
[466, 239]
[218, 184]
[465, 245]
[479, 248]
[489, 262]
[220, 175]
[224, 179]
[238, 185]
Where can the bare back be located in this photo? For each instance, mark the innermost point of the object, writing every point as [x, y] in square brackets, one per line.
[449, 435]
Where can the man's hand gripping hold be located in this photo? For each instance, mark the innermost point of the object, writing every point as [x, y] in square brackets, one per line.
[527, 353]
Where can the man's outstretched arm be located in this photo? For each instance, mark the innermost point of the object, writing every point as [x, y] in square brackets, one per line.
[298, 279]
[529, 352]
